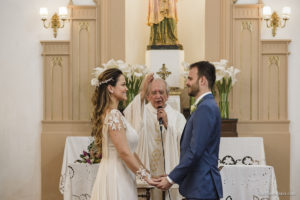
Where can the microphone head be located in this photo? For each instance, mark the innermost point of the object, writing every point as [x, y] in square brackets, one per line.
[160, 119]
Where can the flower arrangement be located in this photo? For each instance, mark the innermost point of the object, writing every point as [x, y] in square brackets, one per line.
[225, 79]
[91, 156]
[134, 75]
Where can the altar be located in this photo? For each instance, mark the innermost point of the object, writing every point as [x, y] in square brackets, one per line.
[242, 181]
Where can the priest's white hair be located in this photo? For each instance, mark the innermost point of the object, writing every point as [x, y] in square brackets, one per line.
[159, 79]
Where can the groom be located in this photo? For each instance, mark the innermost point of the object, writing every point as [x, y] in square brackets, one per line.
[197, 172]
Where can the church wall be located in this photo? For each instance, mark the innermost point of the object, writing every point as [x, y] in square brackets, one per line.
[292, 32]
[21, 102]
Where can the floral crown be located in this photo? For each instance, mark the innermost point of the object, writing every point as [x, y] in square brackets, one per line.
[95, 82]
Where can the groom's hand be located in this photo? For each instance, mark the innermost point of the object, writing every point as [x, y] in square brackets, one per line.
[164, 184]
[157, 178]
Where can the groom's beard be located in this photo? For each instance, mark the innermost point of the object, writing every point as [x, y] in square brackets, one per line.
[194, 89]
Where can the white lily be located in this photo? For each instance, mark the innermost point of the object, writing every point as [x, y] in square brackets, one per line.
[98, 71]
[137, 74]
[110, 64]
[223, 62]
[220, 72]
[185, 67]
[225, 79]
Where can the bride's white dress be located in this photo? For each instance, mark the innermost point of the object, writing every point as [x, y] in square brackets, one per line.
[114, 179]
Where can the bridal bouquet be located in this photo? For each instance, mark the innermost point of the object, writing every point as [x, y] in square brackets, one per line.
[91, 156]
[225, 79]
[134, 75]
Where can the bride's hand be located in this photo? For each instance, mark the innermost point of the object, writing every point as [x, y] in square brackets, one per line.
[160, 176]
[152, 181]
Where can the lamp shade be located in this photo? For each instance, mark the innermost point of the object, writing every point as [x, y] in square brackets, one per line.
[44, 13]
[267, 12]
[63, 12]
[286, 11]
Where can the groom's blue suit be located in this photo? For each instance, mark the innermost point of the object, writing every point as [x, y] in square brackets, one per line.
[197, 172]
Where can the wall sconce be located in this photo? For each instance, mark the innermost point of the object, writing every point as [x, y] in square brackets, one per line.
[57, 20]
[273, 20]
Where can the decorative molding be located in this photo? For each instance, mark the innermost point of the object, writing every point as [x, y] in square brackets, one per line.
[247, 11]
[83, 12]
[56, 67]
[275, 47]
[66, 126]
[274, 68]
[56, 61]
[55, 48]
[84, 26]
[263, 126]
[247, 25]
[274, 60]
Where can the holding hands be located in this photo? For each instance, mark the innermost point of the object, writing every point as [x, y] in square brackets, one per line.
[160, 182]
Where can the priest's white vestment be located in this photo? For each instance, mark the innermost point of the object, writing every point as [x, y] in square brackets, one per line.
[143, 117]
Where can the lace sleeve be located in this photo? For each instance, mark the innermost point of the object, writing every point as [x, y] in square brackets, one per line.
[116, 120]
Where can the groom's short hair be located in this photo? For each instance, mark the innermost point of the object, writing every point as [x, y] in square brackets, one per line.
[206, 69]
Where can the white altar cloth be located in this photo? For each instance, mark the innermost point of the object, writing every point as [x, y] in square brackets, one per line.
[74, 146]
[255, 182]
[242, 151]
[240, 182]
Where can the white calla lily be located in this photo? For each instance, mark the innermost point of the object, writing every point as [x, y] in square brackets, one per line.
[98, 71]
[225, 79]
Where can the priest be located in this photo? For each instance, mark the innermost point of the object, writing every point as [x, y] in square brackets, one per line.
[151, 121]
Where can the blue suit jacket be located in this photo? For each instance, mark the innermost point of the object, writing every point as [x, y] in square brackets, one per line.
[197, 172]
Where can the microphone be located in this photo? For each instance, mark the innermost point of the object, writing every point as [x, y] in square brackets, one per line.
[160, 119]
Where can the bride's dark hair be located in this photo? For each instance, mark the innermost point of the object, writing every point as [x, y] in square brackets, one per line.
[101, 102]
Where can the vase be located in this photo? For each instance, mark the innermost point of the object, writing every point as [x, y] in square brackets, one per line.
[224, 105]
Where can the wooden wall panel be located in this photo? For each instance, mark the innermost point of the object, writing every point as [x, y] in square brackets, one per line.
[56, 79]
[83, 34]
[246, 34]
[274, 79]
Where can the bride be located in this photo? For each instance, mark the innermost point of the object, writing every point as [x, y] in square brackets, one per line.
[117, 140]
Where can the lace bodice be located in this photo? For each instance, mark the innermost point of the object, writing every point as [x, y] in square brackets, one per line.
[116, 121]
